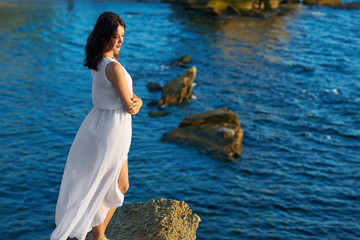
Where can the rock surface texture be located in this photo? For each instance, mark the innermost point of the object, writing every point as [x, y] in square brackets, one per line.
[179, 89]
[217, 132]
[161, 219]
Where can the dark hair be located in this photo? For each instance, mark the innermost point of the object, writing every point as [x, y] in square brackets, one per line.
[99, 39]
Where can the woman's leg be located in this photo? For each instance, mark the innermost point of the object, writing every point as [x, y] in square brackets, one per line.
[98, 232]
[123, 184]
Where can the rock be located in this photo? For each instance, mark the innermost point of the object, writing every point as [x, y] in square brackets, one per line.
[161, 219]
[152, 103]
[182, 61]
[217, 132]
[225, 132]
[179, 89]
[153, 86]
[240, 7]
[158, 114]
[348, 5]
[321, 2]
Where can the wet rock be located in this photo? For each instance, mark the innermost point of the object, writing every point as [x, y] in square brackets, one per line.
[225, 132]
[158, 114]
[321, 2]
[182, 61]
[161, 219]
[152, 103]
[179, 89]
[348, 5]
[153, 86]
[218, 133]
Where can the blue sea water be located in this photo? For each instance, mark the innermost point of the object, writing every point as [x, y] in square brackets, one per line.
[294, 81]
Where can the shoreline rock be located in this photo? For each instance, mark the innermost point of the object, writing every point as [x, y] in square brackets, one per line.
[217, 132]
[160, 219]
[238, 7]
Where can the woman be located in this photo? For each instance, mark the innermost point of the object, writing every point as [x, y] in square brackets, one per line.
[95, 178]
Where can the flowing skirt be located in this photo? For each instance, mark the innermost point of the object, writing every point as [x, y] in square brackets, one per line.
[89, 184]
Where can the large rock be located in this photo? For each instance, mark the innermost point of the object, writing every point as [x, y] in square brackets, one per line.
[321, 2]
[217, 132]
[240, 7]
[159, 219]
[179, 89]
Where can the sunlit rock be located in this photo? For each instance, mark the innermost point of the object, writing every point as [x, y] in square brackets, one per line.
[161, 219]
[240, 7]
[179, 89]
[217, 133]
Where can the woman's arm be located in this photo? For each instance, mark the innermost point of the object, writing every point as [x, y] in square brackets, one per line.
[116, 76]
[137, 103]
[139, 100]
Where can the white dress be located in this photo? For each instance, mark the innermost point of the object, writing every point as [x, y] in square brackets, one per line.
[89, 184]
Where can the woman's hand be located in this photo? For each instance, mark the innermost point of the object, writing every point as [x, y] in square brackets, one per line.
[134, 107]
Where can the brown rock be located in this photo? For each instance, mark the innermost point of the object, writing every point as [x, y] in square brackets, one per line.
[158, 114]
[161, 219]
[152, 103]
[240, 7]
[321, 2]
[153, 86]
[179, 89]
[217, 132]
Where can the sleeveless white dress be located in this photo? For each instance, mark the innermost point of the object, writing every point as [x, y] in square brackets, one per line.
[89, 184]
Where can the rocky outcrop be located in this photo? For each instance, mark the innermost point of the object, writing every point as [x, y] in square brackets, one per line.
[321, 2]
[179, 89]
[240, 7]
[217, 132]
[161, 219]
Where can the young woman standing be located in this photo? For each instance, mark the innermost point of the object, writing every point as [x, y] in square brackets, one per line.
[95, 177]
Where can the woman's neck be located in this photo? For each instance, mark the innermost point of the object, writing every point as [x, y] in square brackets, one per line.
[109, 54]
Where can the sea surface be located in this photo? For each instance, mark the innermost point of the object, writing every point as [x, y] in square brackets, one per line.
[293, 80]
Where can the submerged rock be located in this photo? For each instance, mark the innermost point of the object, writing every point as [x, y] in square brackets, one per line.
[182, 61]
[161, 219]
[153, 86]
[321, 2]
[179, 89]
[217, 132]
[152, 103]
[348, 5]
[158, 114]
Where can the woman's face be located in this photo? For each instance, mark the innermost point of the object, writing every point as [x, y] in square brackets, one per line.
[118, 39]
